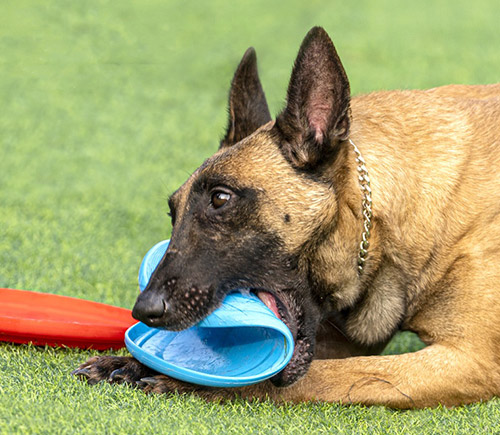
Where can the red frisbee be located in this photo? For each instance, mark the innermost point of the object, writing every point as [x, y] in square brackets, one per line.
[53, 320]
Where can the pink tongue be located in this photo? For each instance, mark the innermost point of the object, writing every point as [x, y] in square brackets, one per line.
[269, 301]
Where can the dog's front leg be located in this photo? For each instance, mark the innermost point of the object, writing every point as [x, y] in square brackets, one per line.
[128, 370]
[435, 375]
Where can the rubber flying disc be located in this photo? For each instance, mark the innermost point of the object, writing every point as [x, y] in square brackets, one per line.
[53, 320]
[240, 343]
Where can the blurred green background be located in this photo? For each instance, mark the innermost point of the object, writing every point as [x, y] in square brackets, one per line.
[108, 106]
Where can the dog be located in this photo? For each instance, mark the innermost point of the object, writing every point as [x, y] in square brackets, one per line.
[351, 219]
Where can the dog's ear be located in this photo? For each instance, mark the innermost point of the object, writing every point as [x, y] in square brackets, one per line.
[316, 117]
[247, 102]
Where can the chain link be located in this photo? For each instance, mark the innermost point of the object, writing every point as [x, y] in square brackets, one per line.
[364, 183]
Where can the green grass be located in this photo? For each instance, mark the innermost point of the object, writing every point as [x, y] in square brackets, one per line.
[106, 107]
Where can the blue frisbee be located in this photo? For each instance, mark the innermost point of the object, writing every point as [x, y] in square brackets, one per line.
[240, 343]
[150, 261]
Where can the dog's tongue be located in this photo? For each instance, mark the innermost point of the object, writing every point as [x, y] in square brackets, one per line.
[269, 301]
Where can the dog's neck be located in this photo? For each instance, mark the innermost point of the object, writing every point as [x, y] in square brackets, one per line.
[343, 265]
[367, 298]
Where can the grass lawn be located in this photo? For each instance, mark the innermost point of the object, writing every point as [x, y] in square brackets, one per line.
[106, 107]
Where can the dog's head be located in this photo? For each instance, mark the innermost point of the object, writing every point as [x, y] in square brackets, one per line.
[254, 214]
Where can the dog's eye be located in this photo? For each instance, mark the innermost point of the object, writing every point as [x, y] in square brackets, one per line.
[219, 199]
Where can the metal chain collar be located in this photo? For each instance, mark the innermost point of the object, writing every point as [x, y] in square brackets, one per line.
[364, 183]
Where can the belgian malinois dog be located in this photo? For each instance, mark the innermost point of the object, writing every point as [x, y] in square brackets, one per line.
[351, 219]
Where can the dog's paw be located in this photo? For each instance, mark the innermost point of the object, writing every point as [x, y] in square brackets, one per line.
[127, 370]
[114, 369]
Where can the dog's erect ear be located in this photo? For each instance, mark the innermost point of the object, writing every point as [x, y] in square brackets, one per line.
[247, 103]
[316, 117]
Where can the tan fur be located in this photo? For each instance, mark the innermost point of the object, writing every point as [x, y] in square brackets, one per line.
[435, 245]
[436, 202]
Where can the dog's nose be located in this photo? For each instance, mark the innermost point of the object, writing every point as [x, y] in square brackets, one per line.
[149, 308]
